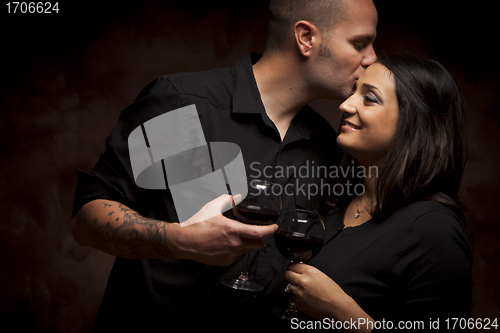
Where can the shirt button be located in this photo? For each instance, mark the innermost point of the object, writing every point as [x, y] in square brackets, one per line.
[266, 248]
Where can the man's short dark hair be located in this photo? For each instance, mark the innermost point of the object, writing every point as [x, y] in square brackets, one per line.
[283, 14]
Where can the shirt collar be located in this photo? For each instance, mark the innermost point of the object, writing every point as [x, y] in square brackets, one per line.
[246, 95]
[247, 99]
[302, 120]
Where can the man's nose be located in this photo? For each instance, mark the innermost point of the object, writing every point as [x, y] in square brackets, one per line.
[369, 58]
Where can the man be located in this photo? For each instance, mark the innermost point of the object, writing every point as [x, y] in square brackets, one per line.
[165, 271]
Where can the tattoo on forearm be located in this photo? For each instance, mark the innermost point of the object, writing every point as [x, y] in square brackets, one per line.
[135, 236]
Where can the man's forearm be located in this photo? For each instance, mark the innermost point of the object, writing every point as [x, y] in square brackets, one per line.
[211, 238]
[118, 230]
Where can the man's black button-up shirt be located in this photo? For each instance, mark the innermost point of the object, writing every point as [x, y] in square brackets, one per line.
[148, 293]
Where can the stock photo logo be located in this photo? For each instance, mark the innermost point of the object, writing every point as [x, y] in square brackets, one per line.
[170, 152]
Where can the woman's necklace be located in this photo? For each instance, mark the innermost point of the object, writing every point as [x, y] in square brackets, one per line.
[359, 211]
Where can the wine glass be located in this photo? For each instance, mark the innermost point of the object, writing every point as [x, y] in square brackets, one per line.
[299, 238]
[261, 206]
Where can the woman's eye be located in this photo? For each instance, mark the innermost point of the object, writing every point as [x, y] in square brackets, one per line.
[370, 98]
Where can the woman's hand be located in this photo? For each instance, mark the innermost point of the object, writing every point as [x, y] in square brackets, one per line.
[314, 292]
[321, 297]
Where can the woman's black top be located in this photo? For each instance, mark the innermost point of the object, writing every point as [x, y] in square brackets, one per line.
[414, 265]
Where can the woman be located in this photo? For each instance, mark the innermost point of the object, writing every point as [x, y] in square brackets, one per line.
[401, 257]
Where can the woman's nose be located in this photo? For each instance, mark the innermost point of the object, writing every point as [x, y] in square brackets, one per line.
[347, 106]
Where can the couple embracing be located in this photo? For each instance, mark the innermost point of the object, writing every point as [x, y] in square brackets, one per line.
[400, 254]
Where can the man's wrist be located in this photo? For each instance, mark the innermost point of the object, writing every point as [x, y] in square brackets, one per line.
[172, 233]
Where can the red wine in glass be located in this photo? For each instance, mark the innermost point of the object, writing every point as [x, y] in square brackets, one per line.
[296, 246]
[299, 238]
[261, 206]
[251, 214]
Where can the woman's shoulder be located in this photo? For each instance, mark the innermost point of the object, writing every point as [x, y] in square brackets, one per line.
[428, 224]
[431, 227]
[425, 212]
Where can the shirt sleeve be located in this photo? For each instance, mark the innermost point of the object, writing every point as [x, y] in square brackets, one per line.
[434, 266]
[112, 177]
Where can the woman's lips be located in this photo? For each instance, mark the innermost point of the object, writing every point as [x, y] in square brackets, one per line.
[348, 126]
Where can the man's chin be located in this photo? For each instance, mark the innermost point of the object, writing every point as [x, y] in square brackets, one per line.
[345, 95]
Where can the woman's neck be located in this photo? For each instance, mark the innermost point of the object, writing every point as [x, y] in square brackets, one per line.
[369, 196]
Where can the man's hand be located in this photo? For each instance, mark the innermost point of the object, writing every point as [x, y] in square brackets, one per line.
[216, 240]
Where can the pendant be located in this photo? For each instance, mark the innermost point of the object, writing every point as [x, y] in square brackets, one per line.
[357, 214]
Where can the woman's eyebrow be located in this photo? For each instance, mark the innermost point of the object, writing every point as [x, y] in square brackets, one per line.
[366, 85]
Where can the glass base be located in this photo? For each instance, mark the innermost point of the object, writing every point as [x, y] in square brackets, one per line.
[288, 313]
[242, 284]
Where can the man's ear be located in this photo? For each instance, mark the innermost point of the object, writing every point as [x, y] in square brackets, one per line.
[306, 37]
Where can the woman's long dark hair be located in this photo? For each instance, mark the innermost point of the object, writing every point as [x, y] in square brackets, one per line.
[427, 156]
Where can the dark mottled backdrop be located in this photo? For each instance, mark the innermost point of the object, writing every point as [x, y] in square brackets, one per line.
[65, 78]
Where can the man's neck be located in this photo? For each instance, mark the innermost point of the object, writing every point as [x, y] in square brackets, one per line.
[280, 89]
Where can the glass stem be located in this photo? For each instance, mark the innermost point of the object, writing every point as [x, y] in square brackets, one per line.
[244, 273]
[292, 308]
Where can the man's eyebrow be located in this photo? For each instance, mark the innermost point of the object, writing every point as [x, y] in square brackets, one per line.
[366, 85]
[364, 37]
